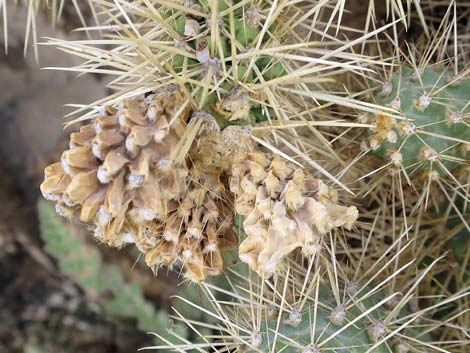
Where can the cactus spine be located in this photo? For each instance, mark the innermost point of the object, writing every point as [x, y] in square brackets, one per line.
[315, 309]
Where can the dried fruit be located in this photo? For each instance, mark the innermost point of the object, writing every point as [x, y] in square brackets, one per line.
[120, 175]
[285, 208]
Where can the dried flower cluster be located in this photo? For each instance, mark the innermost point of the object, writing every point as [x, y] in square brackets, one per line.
[285, 208]
[119, 175]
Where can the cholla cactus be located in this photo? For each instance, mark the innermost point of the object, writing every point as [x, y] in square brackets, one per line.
[170, 168]
[420, 135]
[122, 175]
[234, 62]
[330, 304]
[242, 62]
[437, 245]
[427, 145]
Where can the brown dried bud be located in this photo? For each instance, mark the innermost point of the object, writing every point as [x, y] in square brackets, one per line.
[202, 51]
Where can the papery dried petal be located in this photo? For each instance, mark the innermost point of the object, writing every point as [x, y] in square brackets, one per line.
[91, 205]
[114, 199]
[83, 137]
[55, 185]
[82, 186]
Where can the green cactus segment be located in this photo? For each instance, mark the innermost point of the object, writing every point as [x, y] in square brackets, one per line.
[180, 22]
[222, 4]
[180, 63]
[271, 68]
[302, 337]
[351, 340]
[258, 316]
[245, 33]
[203, 50]
[453, 276]
[460, 244]
[435, 124]
[459, 241]
[455, 232]
[305, 331]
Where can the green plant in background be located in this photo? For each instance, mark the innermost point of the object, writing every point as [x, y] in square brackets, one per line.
[33, 348]
[85, 265]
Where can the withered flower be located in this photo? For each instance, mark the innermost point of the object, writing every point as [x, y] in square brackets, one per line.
[118, 175]
[285, 208]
